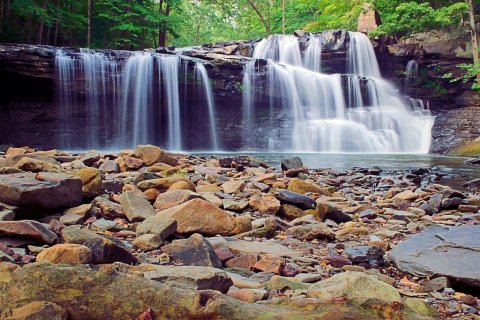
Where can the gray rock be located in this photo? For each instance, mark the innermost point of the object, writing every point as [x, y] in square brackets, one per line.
[371, 255]
[109, 209]
[297, 199]
[198, 278]
[453, 253]
[42, 190]
[159, 225]
[77, 234]
[7, 215]
[109, 250]
[194, 251]
[71, 218]
[109, 166]
[106, 225]
[291, 163]
[136, 207]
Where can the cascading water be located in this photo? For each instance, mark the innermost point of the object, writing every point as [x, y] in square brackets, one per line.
[202, 76]
[357, 112]
[411, 73]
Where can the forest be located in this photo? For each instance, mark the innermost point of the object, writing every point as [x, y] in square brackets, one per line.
[139, 24]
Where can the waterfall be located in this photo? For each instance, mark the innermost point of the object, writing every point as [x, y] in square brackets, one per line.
[202, 76]
[411, 73]
[357, 112]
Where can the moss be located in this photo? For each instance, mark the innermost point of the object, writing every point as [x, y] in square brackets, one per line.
[469, 150]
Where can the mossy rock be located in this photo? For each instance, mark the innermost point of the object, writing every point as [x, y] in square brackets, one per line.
[471, 149]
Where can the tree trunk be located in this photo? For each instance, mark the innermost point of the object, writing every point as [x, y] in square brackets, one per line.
[473, 32]
[160, 25]
[162, 39]
[89, 24]
[260, 16]
[41, 26]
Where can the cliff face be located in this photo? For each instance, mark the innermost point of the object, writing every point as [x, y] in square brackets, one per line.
[31, 113]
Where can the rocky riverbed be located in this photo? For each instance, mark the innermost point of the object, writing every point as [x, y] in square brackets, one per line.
[146, 234]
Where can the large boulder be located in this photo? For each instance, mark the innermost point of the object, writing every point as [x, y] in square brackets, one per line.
[439, 251]
[43, 190]
[66, 253]
[200, 216]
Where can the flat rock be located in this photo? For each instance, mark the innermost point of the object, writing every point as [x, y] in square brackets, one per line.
[233, 186]
[28, 229]
[43, 190]
[196, 277]
[311, 231]
[78, 234]
[136, 207]
[453, 253]
[194, 251]
[159, 225]
[173, 198]
[200, 216]
[263, 247]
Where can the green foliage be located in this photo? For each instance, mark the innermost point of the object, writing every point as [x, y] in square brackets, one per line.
[339, 14]
[468, 72]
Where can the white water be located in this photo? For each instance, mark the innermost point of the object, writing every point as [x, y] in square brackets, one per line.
[202, 75]
[359, 112]
[411, 73]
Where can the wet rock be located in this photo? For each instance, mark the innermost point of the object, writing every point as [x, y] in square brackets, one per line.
[28, 229]
[200, 216]
[452, 253]
[291, 163]
[136, 207]
[194, 251]
[109, 250]
[357, 288]
[159, 225]
[295, 199]
[266, 204]
[147, 242]
[152, 154]
[44, 190]
[173, 198]
[368, 255]
[195, 277]
[91, 181]
[66, 253]
[36, 310]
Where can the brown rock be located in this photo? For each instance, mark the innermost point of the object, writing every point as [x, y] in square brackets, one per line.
[131, 163]
[302, 187]
[194, 251]
[173, 198]
[267, 204]
[151, 154]
[36, 310]
[15, 151]
[66, 253]
[147, 242]
[91, 181]
[162, 184]
[151, 194]
[136, 207]
[108, 208]
[180, 185]
[246, 261]
[36, 165]
[270, 263]
[247, 295]
[28, 229]
[200, 216]
[233, 186]
[290, 211]
[158, 225]
[208, 188]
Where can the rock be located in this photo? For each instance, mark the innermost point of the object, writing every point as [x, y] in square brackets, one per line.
[102, 225]
[37, 165]
[163, 184]
[109, 166]
[328, 210]
[419, 307]
[369, 255]
[291, 163]
[473, 184]
[247, 295]
[147, 242]
[336, 260]
[405, 195]
[267, 204]
[135, 207]
[78, 234]
[233, 186]
[152, 154]
[452, 253]
[261, 247]
[91, 181]
[36, 310]
[179, 185]
[173, 198]
[290, 211]
[208, 188]
[246, 262]
[311, 231]
[302, 187]
[7, 215]
[212, 198]
[159, 225]
[234, 205]
[66, 253]
[109, 250]
[108, 208]
[295, 199]
[6, 258]
[71, 218]
[357, 288]
[28, 229]
[44, 190]
[90, 158]
[194, 251]
[82, 210]
[451, 203]
[270, 263]
[200, 216]
[284, 283]
[195, 277]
